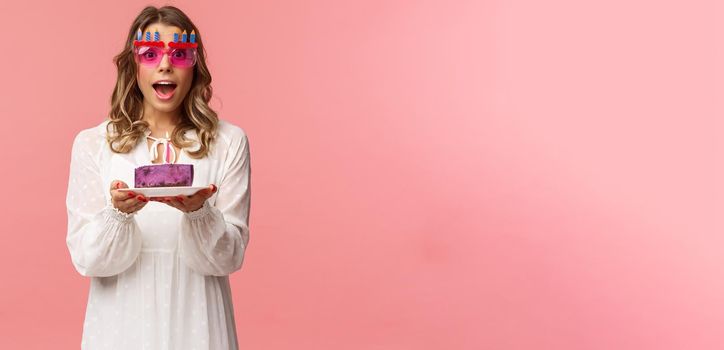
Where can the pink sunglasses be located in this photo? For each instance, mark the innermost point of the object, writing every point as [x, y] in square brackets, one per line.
[149, 54]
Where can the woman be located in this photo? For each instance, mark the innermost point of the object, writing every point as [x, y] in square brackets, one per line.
[159, 266]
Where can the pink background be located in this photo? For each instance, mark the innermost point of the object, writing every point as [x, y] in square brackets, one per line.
[426, 174]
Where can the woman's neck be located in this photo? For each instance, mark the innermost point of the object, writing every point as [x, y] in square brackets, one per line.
[161, 122]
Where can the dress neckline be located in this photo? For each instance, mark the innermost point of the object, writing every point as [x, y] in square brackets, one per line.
[169, 152]
[152, 153]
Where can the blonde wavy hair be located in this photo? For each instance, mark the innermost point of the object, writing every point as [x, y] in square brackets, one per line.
[126, 128]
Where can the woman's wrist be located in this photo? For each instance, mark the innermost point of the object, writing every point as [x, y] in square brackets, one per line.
[201, 212]
[117, 214]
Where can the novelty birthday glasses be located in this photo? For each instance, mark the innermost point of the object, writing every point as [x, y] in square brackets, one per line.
[150, 56]
[181, 54]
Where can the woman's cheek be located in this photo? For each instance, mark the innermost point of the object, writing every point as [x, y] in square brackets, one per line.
[140, 79]
[186, 89]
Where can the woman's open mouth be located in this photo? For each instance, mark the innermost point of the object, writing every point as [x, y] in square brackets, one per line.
[164, 91]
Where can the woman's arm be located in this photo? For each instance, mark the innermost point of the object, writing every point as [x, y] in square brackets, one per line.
[214, 238]
[102, 240]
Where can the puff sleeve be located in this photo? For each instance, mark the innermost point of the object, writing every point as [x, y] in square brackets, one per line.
[102, 240]
[214, 238]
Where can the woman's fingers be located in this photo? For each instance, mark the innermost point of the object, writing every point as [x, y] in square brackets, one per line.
[188, 203]
[176, 203]
[138, 205]
[120, 196]
[117, 195]
[127, 202]
[206, 193]
[131, 204]
[124, 196]
[184, 203]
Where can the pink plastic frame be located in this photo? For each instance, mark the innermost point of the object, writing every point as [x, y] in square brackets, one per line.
[161, 45]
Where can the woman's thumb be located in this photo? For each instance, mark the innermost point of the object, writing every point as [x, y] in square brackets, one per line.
[116, 184]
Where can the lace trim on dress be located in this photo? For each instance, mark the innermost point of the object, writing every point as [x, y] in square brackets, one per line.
[199, 213]
[118, 215]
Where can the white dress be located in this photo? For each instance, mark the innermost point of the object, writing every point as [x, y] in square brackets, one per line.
[159, 276]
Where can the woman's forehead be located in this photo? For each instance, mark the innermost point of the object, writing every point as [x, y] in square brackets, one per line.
[165, 32]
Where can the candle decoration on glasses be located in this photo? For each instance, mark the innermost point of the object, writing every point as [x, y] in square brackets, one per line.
[156, 42]
[187, 40]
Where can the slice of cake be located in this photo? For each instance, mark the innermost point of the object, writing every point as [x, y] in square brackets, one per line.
[164, 175]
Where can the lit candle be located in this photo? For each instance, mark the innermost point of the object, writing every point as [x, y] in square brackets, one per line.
[175, 37]
[139, 36]
[183, 36]
[148, 36]
[156, 35]
[192, 38]
[168, 151]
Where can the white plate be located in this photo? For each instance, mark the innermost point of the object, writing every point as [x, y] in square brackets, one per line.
[164, 191]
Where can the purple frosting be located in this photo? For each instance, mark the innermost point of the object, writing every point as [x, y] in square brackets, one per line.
[164, 175]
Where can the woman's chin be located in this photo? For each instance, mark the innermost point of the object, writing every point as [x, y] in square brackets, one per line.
[164, 106]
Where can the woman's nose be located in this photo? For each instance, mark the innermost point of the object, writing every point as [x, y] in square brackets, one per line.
[165, 64]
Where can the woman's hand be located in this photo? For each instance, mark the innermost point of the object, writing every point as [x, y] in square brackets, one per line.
[189, 203]
[127, 202]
